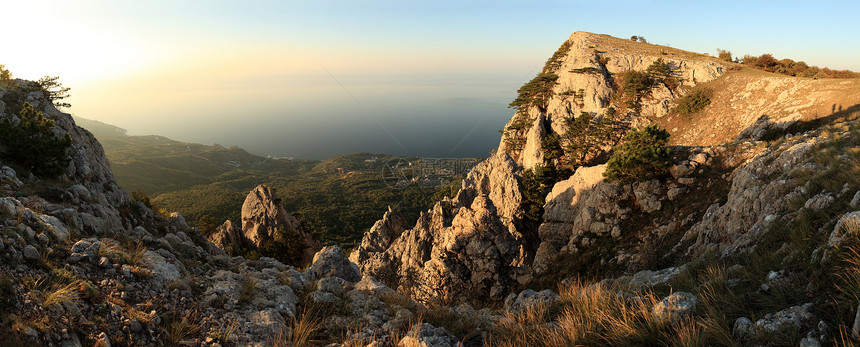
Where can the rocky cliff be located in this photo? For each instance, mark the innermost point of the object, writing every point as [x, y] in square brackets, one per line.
[750, 241]
[764, 168]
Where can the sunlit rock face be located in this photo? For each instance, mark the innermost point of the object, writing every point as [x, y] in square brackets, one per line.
[263, 216]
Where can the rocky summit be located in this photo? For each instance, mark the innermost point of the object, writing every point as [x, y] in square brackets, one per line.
[640, 195]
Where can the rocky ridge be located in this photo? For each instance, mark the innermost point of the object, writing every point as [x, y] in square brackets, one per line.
[743, 243]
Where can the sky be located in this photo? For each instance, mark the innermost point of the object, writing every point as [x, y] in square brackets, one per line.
[312, 79]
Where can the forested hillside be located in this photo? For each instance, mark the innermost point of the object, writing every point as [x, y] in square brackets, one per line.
[336, 199]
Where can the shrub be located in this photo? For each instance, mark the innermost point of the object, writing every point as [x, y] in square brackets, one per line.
[584, 136]
[139, 195]
[584, 70]
[285, 246]
[693, 102]
[724, 54]
[5, 77]
[207, 225]
[660, 71]
[635, 83]
[640, 157]
[32, 143]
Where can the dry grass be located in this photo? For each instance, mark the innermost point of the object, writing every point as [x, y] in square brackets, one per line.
[63, 294]
[590, 315]
[179, 328]
[304, 327]
[225, 331]
[112, 250]
[595, 315]
[134, 255]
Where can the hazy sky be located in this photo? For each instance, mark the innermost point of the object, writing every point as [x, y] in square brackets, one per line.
[312, 79]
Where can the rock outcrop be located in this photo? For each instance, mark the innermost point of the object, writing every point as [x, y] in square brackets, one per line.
[585, 84]
[229, 236]
[263, 217]
[470, 246]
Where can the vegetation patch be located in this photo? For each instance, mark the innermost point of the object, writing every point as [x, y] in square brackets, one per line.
[32, 143]
[693, 102]
[586, 70]
[642, 156]
[790, 67]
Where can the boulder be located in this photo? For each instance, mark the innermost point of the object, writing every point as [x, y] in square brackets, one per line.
[528, 298]
[330, 261]
[162, 271]
[793, 317]
[426, 335]
[263, 216]
[675, 307]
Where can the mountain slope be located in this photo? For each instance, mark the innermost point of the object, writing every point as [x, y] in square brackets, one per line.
[753, 200]
[336, 199]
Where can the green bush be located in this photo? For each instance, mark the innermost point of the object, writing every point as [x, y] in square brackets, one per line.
[32, 143]
[794, 68]
[693, 102]
[642, 155]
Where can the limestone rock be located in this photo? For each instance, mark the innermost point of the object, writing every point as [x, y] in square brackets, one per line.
[579, 90]
[263, 215]
[426, 335]
[469, 245]
[675, 307]
[330, 261]
[795, 316]
[228, 236]
[380, 237]
[30, 253]
[581, 206]
[516, 303]
[162, 271]
[743, 329]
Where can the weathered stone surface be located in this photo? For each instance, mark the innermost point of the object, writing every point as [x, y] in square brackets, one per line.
[737, 223]
[583, 205]
[470, 245]
[528, 298]
[795, 316]
[263, 216]
[426, 335]
[228, 236]
[380, 237]
[675, 307]
[743, 329]
[330, 261]
[30, 253]
[162, 271]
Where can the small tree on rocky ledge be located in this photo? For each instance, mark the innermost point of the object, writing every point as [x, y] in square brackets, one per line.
[642, 155]
[54, 90]
[32, 143]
